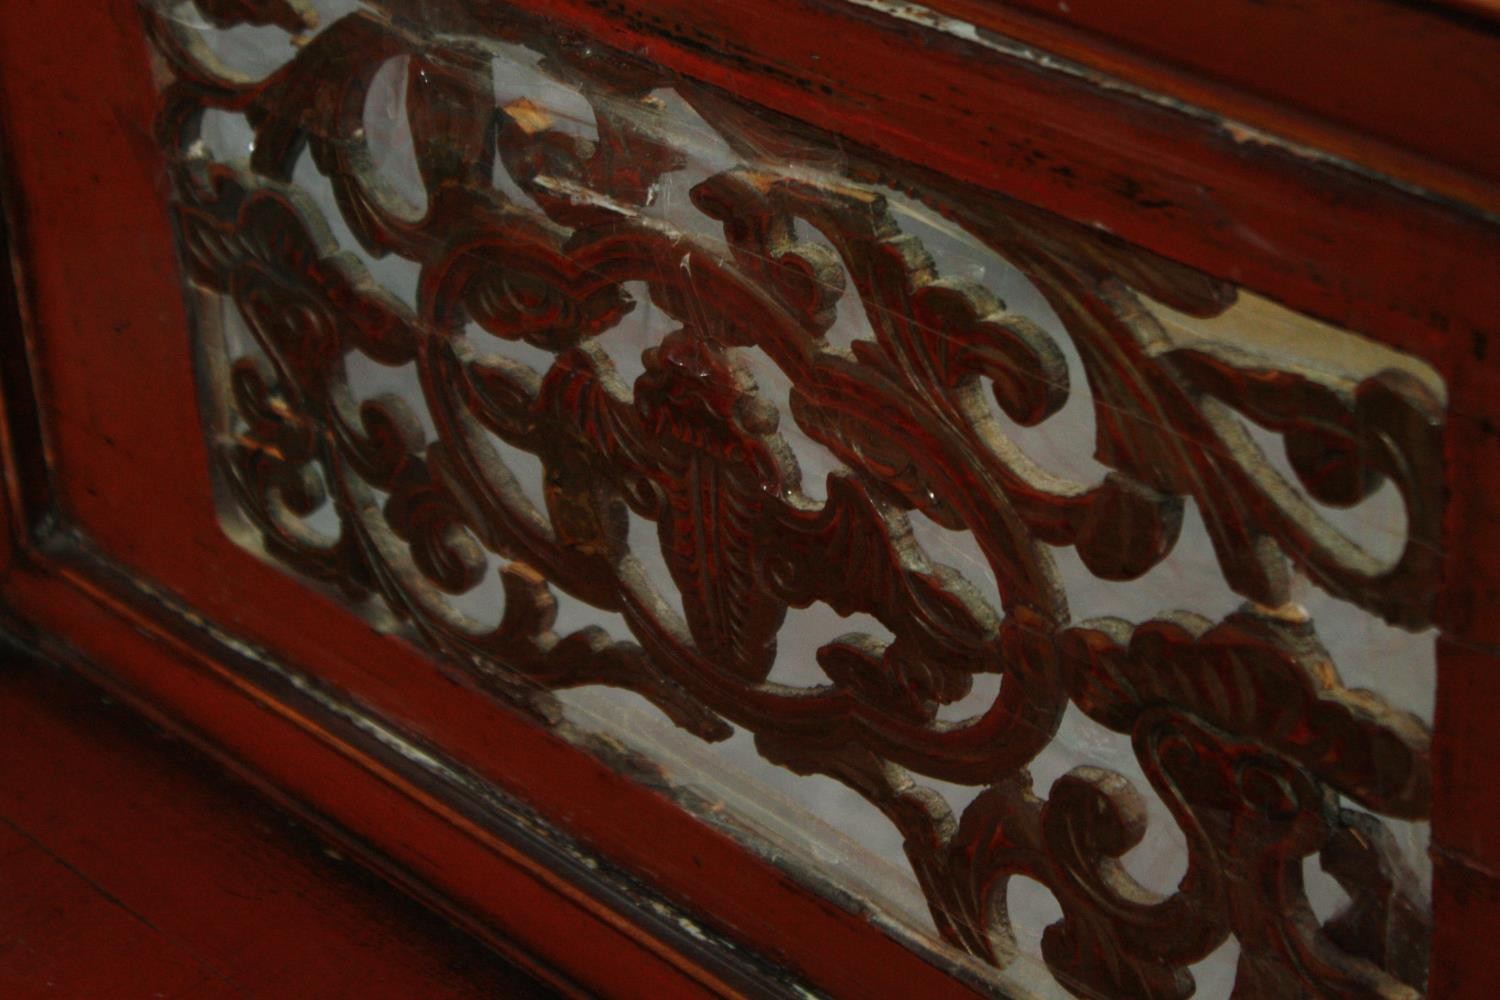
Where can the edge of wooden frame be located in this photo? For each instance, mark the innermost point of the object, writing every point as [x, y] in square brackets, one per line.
[1399, 86]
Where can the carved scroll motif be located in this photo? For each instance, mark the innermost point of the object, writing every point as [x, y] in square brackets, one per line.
[1242, 726]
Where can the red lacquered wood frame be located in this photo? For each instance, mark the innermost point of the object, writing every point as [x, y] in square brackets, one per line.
[113, 557]
[126, 849]
[1392, 85]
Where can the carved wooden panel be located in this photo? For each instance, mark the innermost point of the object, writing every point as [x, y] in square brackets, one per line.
[546, 233]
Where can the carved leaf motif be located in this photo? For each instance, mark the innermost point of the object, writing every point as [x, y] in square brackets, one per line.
[714, 509]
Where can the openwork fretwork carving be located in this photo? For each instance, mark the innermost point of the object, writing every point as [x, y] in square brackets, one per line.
[1242, 726]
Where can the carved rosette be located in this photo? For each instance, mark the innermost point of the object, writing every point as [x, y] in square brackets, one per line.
[1242, 726]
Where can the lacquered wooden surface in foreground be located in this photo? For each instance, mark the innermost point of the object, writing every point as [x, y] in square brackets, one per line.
[132, 866]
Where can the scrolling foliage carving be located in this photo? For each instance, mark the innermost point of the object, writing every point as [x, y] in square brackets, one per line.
[1242, 726]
